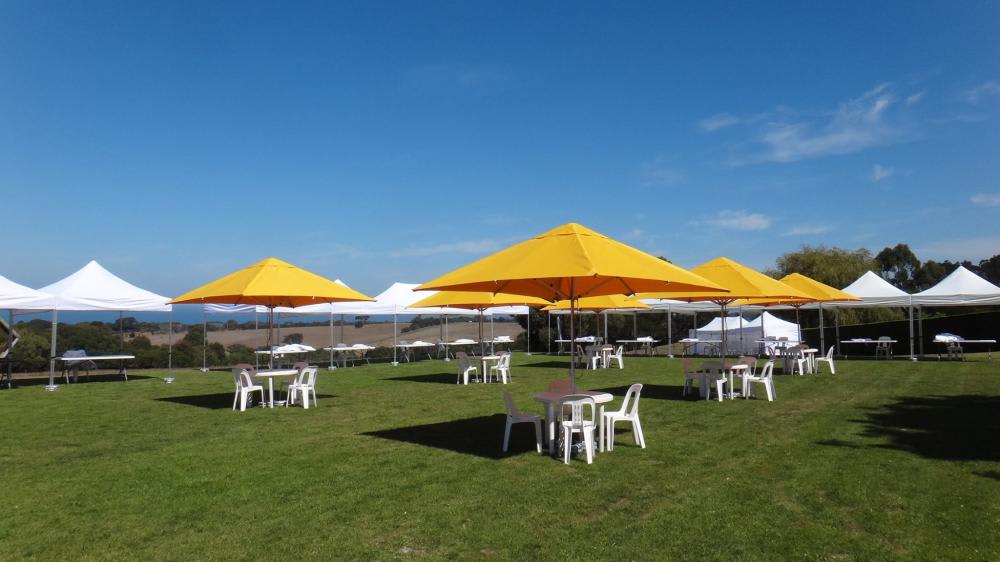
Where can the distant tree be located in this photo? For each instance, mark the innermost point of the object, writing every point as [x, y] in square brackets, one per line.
[359, 321]
[195, 335]
[899, 265]
[990, 269]
[294, 337]
[836, 267]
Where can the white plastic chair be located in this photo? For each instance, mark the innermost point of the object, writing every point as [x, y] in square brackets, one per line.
[617, 356]
[795, 360]
[464, 367]
[884, 347]
[691, 375]
[244, 386]
[305, 384]
[501, 370]
[715, 376]
[828, 359]
[575, 406]
[955, 351]
[629, 412]
[515, 416]
[766, 377]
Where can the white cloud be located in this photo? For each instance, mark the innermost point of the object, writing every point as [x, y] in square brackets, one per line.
[972, 249]
[807, 231]
[982, 91]
[464, 247]
[914, 98]
[658, 174]
[856, 125]
[738, 220]
[986, 199]
[880, 172]
[718, 121]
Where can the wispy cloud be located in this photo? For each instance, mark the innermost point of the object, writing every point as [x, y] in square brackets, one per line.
[737, 220]
[986, 199]
[973, 249]
[724, 120]
[880, 172]
[458, 75]
[914, 99]
[982, 91]
[463, 247]
[806, 231]
[658, 173]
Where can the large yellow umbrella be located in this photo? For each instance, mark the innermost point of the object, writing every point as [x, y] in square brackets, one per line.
[272, 283]
[743, 283]
[567, 263]
[477, 300]
[817, 291]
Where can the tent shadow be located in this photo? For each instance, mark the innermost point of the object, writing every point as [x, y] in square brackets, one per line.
[936, 427]
[481, 436]
[653, 391]
[547, 364]
[438, 378]
[218, 401]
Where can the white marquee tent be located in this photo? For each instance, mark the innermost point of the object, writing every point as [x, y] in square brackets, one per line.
[93, 288]
[743, 336]
[15, 296]
[960, 288]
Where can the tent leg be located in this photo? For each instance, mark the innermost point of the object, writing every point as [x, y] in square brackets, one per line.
[395, 360]
[920, 331]
[836, 331]
[822, 334]
[912, 357]
[52, 356]
[670, 333]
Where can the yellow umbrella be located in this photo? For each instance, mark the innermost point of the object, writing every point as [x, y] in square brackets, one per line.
[817, 291]
[271, 283]
[567, 263]
[743, 283]
[477, 300]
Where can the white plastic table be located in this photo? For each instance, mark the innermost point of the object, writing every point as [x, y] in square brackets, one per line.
[270, 374]
[732, 370]
[483, 363]
[689, 342]
[989, 350]
[359, 349]
[447, 345]
[550, 399]
[409, 347]
[646, 344]
[865, 341]
[71, 362]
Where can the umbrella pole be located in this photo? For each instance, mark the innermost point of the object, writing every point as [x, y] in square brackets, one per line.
[270, 342]
[572, 335]
[170, 340]
[822, 334]
[529, 332]
[836, 330]
[548, 321]
[342, 330]
[670, 333]
[256, 332]
[724, 338]
[799, 324]
[331, 339]
[482, 345]
[204, 341]
[492, 336]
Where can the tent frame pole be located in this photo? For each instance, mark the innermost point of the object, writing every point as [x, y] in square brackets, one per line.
[52, 356]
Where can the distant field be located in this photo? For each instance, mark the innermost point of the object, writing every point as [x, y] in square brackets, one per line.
[371, 334]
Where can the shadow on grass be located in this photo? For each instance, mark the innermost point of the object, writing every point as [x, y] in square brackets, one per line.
[219, 401]
[989, 474]
[481, 436]
[104, 377]
[653, 391]
[547, 365]
[936, 427]
[439, 378]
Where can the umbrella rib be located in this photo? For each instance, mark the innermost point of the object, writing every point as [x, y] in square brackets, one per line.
[552, 288]
[604, 281]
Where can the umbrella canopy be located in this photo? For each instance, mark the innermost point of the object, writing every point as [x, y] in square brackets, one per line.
[569, 262]
[271, 283]
[604, 302]
[476, 300]
[816, 291]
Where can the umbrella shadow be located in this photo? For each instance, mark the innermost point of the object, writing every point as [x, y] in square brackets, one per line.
[84, 379]
[218, 401]
[438, 378]
[653, 391]
[935, 427]
[546, 365]
[480, 436]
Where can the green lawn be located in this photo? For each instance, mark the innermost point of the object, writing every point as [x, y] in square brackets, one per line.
[882, 460]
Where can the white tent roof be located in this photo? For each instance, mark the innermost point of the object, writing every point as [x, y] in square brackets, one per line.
[873, 291]
[14, 296]
[393, 300]
[213, 308]
[961, 287]
[96, 288]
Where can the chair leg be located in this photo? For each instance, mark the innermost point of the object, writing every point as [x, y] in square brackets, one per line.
[588, 441]
[567, 443]
[538, 435]
[718, 385]
[640, 438]
[506, 435]
[609, 434]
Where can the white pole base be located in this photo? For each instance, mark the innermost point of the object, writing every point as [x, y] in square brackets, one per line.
[395, 363]
[51, 387]
[204, 370]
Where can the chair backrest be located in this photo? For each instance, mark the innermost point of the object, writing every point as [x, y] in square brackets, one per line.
[750, 361]
[463, 361]
[505, 360]
[308, 376]
[829, 353]
[633, 394]
[687, 364]
[241, 377]
[767, 370]
[620, 351]
[576, 405]
[561, 385]
[883, 341]
[511, 408]
[711, 366]
[299, 365]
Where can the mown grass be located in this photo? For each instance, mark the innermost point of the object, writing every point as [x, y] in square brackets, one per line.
[883, 460]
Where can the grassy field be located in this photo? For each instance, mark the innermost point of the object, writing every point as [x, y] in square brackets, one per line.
[883, 460]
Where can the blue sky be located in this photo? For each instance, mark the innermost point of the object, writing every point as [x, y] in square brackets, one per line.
[377, 142]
